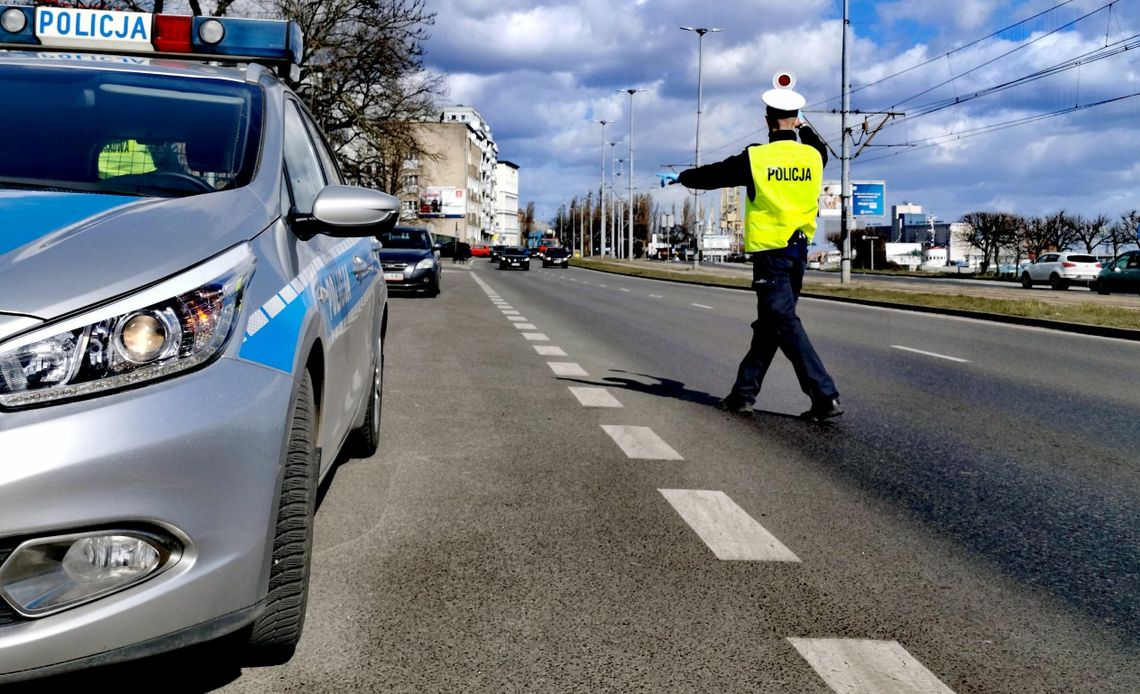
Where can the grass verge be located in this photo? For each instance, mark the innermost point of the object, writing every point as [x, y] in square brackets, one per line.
[1085, 313]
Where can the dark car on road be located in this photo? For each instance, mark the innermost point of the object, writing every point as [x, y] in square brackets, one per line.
[410, 260]
[556, 255]
[495, 251]
[1120, 275]
[514, 257]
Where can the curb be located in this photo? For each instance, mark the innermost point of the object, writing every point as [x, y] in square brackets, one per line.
[1078, 328]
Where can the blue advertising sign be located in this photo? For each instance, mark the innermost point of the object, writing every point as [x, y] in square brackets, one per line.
[869, 198]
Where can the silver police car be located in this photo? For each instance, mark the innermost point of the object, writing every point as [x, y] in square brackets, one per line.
[192, 320]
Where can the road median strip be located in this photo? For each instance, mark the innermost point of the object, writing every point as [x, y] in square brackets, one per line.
[1086, 318]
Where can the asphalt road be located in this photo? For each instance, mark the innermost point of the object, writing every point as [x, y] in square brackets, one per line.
[970, 525]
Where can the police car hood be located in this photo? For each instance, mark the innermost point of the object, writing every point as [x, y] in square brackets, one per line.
[62, 252]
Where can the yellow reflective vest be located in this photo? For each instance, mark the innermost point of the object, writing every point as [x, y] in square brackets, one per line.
[788, 178]
[125, 157]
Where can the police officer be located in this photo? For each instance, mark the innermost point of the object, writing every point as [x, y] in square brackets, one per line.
[783, 178]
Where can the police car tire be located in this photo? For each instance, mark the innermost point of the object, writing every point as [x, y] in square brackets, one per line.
[274, 634]
[366, 439]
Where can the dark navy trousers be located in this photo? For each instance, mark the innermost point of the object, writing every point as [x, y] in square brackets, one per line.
[777, 277]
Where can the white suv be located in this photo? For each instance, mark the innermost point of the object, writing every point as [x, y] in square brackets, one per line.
[1061, 270]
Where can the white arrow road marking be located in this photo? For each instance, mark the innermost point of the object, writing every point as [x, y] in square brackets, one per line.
[930, 354]
[566, 368]
[863, 666]
[549, 351]
[594, 397]
[641, 442]
[727, 529]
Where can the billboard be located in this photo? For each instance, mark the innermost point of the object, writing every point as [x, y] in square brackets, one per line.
[868, 199]
[442, 203]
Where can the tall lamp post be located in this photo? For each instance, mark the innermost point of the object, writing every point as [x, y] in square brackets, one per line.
[613, 189]
[602, 190]
[629, 182]
[700, 32]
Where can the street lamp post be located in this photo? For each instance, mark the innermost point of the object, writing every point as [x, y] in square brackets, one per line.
[700, 32]
[602, 190]
[613, 189]
[629, 182]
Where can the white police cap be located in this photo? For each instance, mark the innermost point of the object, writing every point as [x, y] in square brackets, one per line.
[783, 97]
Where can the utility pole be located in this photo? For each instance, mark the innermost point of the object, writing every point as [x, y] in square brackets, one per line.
[698, 233]
[602, 190]
[845, 184]
[629, 231]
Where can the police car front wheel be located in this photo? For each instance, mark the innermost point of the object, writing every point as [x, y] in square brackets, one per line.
[274, 634]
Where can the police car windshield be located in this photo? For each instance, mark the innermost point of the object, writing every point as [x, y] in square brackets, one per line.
[406, 238]
[130, 133]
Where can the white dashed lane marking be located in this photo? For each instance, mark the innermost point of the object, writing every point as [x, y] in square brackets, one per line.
[516, 318]
[931, 354]
[510, 312]
[549, 351]
[656, 296]
[525, 326]
[641, 443]
[566, 368]
[727, 529]
[624, 289]
[594, 397]
[536, 337]
[863, 666]
[702, 306]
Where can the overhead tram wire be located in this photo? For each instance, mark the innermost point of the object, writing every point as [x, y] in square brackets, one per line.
[975, 42]
[1079, 61]
[1008, 53]
[995, 127]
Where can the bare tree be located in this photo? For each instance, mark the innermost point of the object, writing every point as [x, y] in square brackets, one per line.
[1091, 232]
[990, 232]
[1060, 230]
[1124, 232]
[1035, 236]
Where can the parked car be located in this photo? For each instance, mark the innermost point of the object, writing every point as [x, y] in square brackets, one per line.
[1061, 270]
[192, 323]
[514, 256]
[410, 260]
[1121, 275]
[556, 255]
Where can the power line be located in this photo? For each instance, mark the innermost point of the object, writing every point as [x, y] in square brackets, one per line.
[1004, 125]
[956, 50]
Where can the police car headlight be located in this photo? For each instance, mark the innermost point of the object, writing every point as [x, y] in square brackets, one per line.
[425, 264]
[169, 328]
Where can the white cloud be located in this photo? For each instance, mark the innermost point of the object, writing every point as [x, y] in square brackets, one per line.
[540, 72]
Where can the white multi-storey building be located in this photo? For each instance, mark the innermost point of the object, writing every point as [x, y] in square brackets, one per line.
[507, 231]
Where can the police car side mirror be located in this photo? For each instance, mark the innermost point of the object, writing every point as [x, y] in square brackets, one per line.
[349, 211]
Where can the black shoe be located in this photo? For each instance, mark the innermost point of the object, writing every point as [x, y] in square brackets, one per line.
[824, 410]
[735, 405]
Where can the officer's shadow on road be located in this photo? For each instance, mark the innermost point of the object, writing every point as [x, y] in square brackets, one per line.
[663, 388]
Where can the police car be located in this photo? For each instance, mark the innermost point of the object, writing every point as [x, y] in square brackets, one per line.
[192, 317]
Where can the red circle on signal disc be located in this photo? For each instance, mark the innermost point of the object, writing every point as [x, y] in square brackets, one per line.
[785, 80]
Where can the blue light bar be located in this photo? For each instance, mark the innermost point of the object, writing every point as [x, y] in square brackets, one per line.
[138, 33]
[266, 39]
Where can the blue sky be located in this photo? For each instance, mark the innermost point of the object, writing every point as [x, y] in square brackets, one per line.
[540, 71]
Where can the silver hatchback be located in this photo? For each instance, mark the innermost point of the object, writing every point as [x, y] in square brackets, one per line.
[192, 317]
